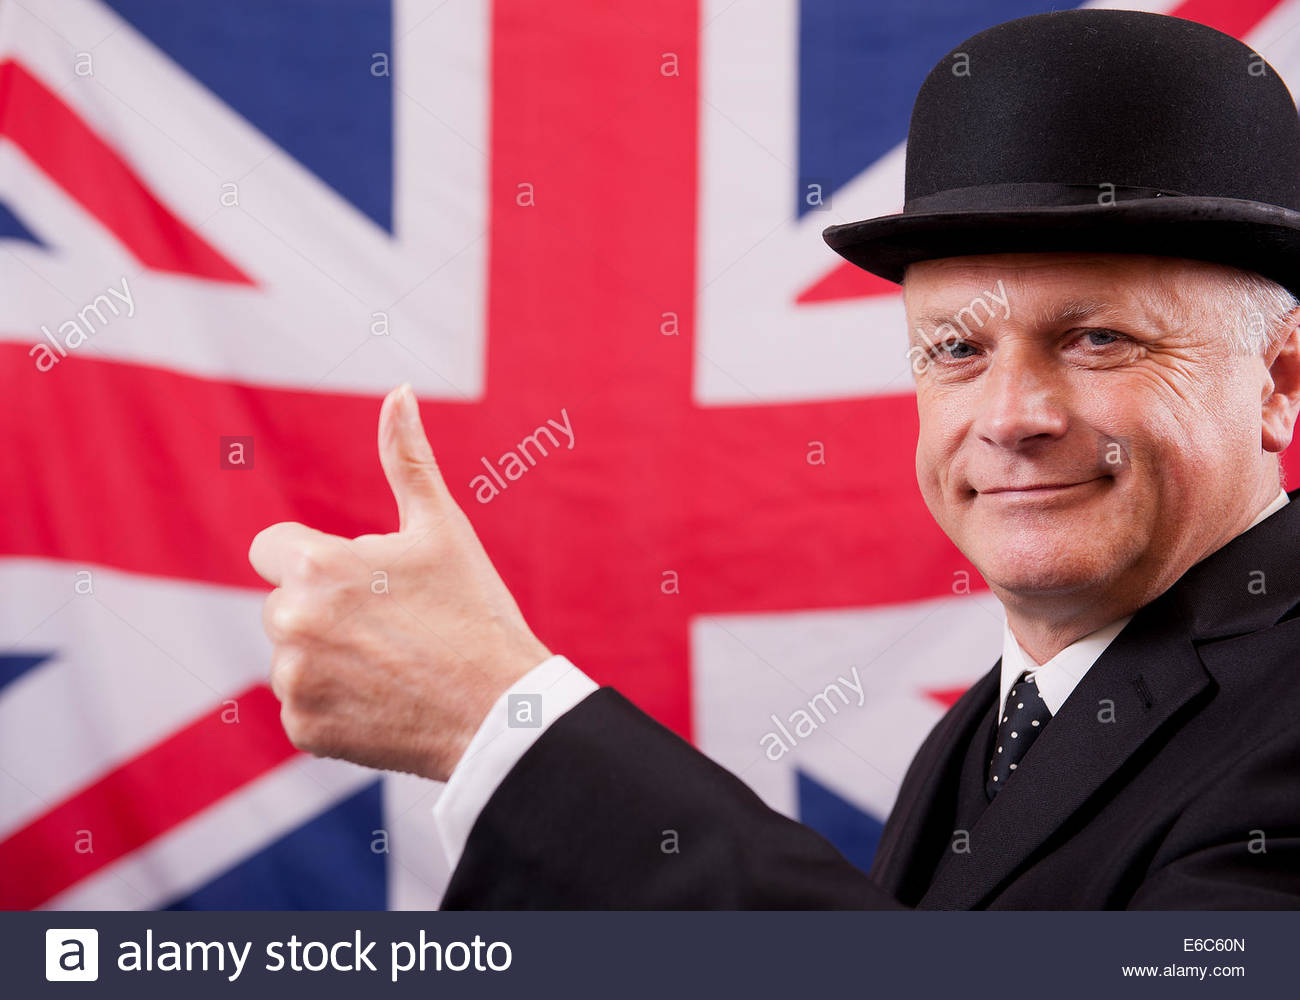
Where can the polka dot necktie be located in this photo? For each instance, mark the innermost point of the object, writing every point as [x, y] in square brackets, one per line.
[1023, 718]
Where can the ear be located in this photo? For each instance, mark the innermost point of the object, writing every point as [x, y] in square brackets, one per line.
[1280, 398]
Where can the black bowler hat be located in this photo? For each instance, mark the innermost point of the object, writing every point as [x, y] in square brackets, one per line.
[1096, 130]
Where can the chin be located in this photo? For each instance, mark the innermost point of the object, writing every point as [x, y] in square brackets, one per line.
[1030, 562]
[1055, 581]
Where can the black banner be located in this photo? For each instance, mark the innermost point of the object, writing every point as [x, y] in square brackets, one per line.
[795, 955]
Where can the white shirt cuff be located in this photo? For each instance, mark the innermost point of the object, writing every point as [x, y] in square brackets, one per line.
[516, 720]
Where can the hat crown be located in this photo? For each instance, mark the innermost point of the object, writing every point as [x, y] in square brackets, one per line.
[1105, 97]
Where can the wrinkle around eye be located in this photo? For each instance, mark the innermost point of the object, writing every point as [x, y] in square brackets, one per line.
[1123, 349]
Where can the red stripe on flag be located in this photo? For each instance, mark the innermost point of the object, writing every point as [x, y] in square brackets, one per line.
[1233, 17]
[96, 177]
[143, 799]
[946, 697]
[846, 281]
[120, 465]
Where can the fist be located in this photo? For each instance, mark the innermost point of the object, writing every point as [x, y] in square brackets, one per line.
[389, 650]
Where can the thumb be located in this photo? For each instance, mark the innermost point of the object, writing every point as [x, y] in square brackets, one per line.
[408, 461]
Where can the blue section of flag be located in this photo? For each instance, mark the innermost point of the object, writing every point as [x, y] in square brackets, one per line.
[299, 70]
[14, 665]
[12, 228]
[854, 833]
[327, 864]
[861, 65]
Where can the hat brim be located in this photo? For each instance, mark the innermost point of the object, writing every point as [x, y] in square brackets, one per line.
[1250, 235]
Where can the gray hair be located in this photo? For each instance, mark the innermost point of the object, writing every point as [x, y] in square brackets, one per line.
[1255, 307]
[1260, 307]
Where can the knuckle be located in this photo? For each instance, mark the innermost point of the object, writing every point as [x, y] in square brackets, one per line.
[287, 675]
[313, 562]
[295, 726]
[288, 618]
[307, 732]
[305, 565]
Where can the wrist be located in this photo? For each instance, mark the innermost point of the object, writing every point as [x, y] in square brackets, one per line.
[475, 709]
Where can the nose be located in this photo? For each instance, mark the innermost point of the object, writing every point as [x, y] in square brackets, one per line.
[1021, 401]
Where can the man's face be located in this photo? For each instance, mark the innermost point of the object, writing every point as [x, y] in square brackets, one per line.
[1092, 428]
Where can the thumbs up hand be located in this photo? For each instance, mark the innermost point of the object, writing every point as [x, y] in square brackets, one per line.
[389, 650]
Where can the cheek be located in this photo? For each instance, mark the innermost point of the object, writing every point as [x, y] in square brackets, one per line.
[943, 418]
[936, 451]
[924, 463]
[1141, 415]
[1233, 417]
[1186, 439]
[928, 452]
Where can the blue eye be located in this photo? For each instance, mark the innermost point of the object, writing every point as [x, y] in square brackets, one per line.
[954, 346]
[1103, 333]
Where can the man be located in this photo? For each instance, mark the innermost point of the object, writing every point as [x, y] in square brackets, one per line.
[1103, 445]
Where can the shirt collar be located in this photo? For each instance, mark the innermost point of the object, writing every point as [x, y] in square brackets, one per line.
[1058, 676]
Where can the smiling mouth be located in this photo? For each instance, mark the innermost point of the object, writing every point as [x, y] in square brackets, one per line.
[1036, 489]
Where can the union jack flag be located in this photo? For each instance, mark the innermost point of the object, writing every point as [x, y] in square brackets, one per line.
[228, 229]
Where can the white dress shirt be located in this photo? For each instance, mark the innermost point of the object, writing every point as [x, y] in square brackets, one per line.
[498, 746]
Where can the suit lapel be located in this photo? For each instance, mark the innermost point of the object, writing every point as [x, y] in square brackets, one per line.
[1147, 674]
[1130, 692]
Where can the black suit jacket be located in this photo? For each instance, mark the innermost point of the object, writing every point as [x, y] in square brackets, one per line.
[1188, 798]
